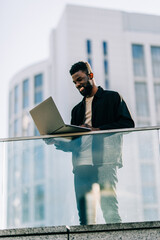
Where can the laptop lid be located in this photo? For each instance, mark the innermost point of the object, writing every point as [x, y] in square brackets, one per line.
[47, 117]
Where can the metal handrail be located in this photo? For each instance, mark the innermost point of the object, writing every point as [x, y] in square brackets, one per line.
[80, 134]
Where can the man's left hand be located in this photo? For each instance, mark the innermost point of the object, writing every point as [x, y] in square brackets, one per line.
[92, 128]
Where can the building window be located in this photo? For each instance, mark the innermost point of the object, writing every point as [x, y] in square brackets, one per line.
[15, 170]
[39, 203]
[89, 52]
[16, 127]
[155, 54]
[147, 174]
[89, 48]
[25, 93]
[15, 209]
[138, 60]
[157, 100]
[106, 84]
[146, 151]
[38, 87]
[36, 132]
[26, 166]
[142, 106]
[106, 67]
[90, 61]
[16, 93]
[10, 104]
[105, 63]
[105, 48]
[25, 205]
[149, 194]
[151, 214]
[39, 168]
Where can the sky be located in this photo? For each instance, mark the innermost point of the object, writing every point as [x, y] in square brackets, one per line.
[25, 27]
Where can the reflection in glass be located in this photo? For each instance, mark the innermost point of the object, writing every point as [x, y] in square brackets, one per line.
[39, 166]
[26, 174]
[145, 150]
[95, 160]
[157, 100]
[82, 181]
[39, 202]
[25, 205]
[151, 214]
[142, 105]
[149, 194]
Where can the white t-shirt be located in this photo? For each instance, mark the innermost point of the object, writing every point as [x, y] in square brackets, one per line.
[85, 155]
[88, 113]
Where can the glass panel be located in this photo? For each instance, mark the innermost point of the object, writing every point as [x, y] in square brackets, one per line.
[106, 84]
[16, 127]
[155, 53]
[39, 201]
[16, 96]
[89, 49]
[39, 167]
[105, 48]
[106, 66]
[38, 97]
[25, 93]
[89, 60]
[2, 191]
[10, 104]
[38, 80]
[38, 88]
[99, 178]
[145, 152]
[157, 100]
[142, 105]
[36, 132]
[138, 60]
[25, 205]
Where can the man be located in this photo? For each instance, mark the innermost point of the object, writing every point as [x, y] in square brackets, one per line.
[95, 158]
[99, 110]
[109, 110]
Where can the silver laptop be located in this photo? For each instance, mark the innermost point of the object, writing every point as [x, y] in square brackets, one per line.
[49, 121]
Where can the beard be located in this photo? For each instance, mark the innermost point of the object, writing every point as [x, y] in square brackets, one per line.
[87, 89]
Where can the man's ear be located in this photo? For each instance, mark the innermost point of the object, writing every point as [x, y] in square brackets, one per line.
[91, 75]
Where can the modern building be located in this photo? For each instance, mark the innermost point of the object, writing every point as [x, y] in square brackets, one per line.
[124, 52]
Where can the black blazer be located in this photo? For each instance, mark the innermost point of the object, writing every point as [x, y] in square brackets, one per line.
[109, 111]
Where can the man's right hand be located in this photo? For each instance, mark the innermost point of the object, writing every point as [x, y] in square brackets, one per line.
[49, 141]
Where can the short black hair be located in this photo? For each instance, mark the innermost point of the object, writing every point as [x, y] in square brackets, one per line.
[77, 67]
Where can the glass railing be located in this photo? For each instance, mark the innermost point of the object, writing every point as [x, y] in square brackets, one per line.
[90, 178]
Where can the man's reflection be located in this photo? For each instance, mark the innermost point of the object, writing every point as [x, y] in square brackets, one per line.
[95, 160]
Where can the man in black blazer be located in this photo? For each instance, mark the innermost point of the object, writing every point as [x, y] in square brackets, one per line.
[96, 157]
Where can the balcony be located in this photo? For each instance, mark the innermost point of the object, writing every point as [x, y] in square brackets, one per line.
[106, 180]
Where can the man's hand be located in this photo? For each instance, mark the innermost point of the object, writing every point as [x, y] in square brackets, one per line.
[49, 141]
[92, 128]
[59, 144]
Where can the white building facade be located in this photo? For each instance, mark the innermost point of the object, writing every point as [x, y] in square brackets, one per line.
[124, 52]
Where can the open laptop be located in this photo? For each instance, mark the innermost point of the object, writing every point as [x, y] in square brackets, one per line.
[49, 121]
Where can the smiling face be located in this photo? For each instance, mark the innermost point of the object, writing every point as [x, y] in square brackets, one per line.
[83, 83]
